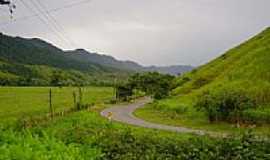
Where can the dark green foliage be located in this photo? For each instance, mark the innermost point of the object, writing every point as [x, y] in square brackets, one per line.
[201, 81]
[85, 135]
[224, 104]
[259, 116]
[57, 78]
[152, 83]
[126, 145]
[123, 92]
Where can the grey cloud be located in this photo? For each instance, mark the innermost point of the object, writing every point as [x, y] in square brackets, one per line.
[160, 32]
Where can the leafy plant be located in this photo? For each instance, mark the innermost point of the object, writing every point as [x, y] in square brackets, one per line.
[225, 104]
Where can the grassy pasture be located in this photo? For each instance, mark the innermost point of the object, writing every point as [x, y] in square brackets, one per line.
[16, 102]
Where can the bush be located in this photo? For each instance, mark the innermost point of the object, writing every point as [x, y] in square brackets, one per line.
[225, 104]
[256, 116]
[201, 81]
[125, 145]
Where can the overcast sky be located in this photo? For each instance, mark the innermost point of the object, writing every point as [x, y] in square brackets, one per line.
[151, 32]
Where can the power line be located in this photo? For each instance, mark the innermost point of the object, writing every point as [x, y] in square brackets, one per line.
[53, 24]
[43, 21]
[50, 11]
[58, 26]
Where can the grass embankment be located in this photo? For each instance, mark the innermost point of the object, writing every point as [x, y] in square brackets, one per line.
[18, 102]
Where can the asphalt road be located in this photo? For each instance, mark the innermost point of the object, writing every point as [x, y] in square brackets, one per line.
[124, 114]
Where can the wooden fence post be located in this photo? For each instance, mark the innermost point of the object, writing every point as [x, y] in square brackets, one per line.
[50, 103]
[74, 100]
[80, 98]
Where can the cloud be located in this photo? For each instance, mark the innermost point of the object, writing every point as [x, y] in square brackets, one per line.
[159, 32]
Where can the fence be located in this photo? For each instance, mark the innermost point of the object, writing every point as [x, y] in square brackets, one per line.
[18, 102]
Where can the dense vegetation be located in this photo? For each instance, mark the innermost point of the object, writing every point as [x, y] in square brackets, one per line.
[85, 135]
[151, 83]
[233, 88]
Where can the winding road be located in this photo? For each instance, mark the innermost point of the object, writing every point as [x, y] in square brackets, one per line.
[124, 114]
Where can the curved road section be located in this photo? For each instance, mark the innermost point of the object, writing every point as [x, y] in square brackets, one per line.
[123, 113]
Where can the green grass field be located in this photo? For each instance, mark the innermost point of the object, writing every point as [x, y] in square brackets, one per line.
[16, 102]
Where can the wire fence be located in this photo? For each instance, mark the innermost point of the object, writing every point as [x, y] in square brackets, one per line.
[20, 102]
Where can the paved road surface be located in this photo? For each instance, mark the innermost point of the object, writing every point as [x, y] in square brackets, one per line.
[123, 113]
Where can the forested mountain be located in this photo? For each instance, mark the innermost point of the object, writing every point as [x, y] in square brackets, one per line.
[34, 61]
[38, 52]
[104, 60]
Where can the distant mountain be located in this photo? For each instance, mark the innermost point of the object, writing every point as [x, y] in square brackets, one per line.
[173, 70]
[109, 61]
[104, 60]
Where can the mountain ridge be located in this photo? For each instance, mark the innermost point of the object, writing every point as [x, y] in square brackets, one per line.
[33, 59]
[107, 60]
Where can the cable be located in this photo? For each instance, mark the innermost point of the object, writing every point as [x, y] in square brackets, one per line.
[43, 21]
[57, 25]
[53, 24]
[50, 11]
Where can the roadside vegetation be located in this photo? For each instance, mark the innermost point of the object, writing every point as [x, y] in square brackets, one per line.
[152, 84]
[85, 135]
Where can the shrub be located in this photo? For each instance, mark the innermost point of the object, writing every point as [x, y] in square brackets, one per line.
[126, 145]
[201, 81]
[225, 104]
[256, 116]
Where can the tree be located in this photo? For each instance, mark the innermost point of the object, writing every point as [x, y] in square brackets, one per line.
[152, 83]
[57, 78]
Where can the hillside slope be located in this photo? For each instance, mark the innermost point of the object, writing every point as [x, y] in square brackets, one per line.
[38, 52]
[233, 88]
[34, 62]
[104, 60]
[246, 66]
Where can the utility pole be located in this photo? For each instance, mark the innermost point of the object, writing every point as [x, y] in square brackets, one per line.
[9, 4]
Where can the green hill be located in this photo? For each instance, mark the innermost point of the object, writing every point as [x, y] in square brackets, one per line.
[246, 66]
